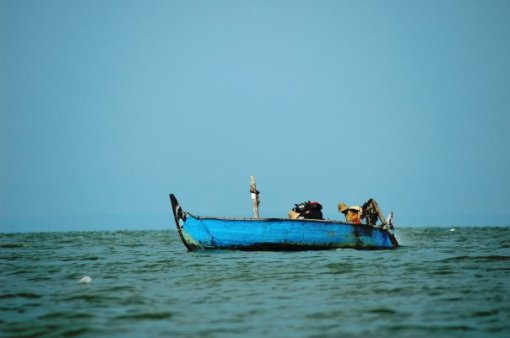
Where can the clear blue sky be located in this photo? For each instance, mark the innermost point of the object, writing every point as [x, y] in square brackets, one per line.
[108, 106]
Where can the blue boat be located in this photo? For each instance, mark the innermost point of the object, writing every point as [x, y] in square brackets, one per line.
[277, 234]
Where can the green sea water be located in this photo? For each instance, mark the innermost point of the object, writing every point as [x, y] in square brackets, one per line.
[442, 282]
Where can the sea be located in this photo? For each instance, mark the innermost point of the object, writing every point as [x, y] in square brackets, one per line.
[441, 282]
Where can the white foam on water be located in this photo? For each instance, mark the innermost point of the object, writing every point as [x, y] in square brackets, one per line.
[85, 280]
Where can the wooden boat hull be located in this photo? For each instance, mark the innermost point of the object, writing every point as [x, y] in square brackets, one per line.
[202, 233]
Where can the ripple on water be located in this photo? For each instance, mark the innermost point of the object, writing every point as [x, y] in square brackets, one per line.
[147, 284]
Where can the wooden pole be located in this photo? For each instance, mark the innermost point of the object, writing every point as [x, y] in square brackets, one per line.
[254, 197]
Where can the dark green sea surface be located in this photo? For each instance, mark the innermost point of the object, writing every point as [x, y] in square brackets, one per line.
[440, 283]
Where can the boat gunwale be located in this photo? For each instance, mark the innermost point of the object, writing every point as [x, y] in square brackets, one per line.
[280, 219]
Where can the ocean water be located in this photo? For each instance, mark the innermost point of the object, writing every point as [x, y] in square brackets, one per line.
[441, 282]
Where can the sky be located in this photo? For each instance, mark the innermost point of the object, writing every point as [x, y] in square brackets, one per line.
[108, 106]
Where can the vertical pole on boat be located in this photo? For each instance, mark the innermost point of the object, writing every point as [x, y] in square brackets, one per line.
[254, 197]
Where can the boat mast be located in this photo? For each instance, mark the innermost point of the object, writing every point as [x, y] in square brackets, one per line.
[254, 197]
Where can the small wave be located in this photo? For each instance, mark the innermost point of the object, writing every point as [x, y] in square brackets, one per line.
[12, 245]
[430, 329]
[18, 272]
[490, 258]
[496, 258]
[11, 258]
[383, 311]
[89, 258]
[53, 330]
[29, 295]
[74, 332]
[118, 288]
[147, 316]
[393, 290]
[84, 297]
[67, 315]
[443, 271]
[487, 313]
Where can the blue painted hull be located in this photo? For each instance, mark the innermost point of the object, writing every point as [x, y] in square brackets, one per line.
[199, 233]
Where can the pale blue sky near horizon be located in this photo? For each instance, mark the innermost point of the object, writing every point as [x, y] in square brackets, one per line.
[106, 107]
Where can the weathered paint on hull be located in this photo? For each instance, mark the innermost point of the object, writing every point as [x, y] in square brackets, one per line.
[200, 233]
